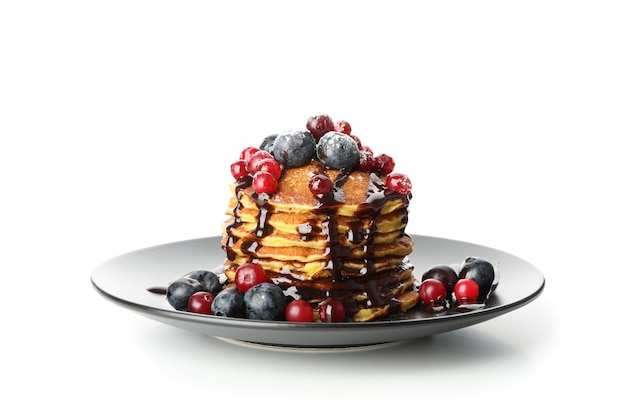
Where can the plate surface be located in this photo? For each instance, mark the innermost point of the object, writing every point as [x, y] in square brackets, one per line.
[125, 280]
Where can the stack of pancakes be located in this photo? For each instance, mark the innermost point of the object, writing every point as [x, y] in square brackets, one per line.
[349, 244]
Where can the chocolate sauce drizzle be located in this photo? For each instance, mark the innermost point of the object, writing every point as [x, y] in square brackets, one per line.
[242, 184]
[361, 233]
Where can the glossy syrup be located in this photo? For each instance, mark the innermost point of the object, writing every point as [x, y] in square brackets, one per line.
[231, 240]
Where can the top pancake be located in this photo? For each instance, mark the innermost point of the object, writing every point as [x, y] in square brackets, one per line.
[293, 194]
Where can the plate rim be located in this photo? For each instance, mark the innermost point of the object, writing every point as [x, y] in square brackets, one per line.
[178, 318]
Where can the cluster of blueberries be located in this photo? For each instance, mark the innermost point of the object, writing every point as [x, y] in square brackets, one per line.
[265, 301]
[296, 148]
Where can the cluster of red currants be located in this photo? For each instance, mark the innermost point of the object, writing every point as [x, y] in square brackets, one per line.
[261, 166]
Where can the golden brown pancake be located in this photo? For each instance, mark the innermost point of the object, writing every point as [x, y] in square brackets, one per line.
[349, 244]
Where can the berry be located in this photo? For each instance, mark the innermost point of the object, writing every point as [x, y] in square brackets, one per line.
[366, 160]
[247, 153]
[320, 184]
[299, 310]
[179, 291]
[200, 303]
[466, 289]
[479, 270]
[253, 162]
[338, 151]
[208, 279]
[319, 125]
[399, 183]
[239, 169]
[294, 149]
[442, 273]
[265, 301]
[432, 291]
[384, 163]
[268, 143]
[343, 127]
[248, 275]
[270, 165]
[331, 311]
[229, 303]
[264, 182]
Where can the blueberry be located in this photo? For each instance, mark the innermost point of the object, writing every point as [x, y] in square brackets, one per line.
[294, 149]
[208, 279]
[229, 303]
[337, 150]
[268, 144]
[479, 270]
[179, 291]
[265, 301]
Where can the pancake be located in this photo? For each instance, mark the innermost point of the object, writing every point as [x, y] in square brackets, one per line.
[348, 244]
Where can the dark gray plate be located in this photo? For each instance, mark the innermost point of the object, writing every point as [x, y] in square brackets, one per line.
[126, 278]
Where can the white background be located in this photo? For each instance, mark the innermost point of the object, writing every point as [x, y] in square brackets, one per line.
[119, 121]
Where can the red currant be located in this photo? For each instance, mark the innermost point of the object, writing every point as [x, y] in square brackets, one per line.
[466, 289]
[399, 183]
[366, 161]
[238, 169]
[248, 152]
[319, 125]
[255, 159]
[248, 275]
[201, 302]
[432, 290]
[331, 310]
[270, 165]
[300, 311]
[320, 184]
[264, 182]
[343, 127]
[384, 163]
